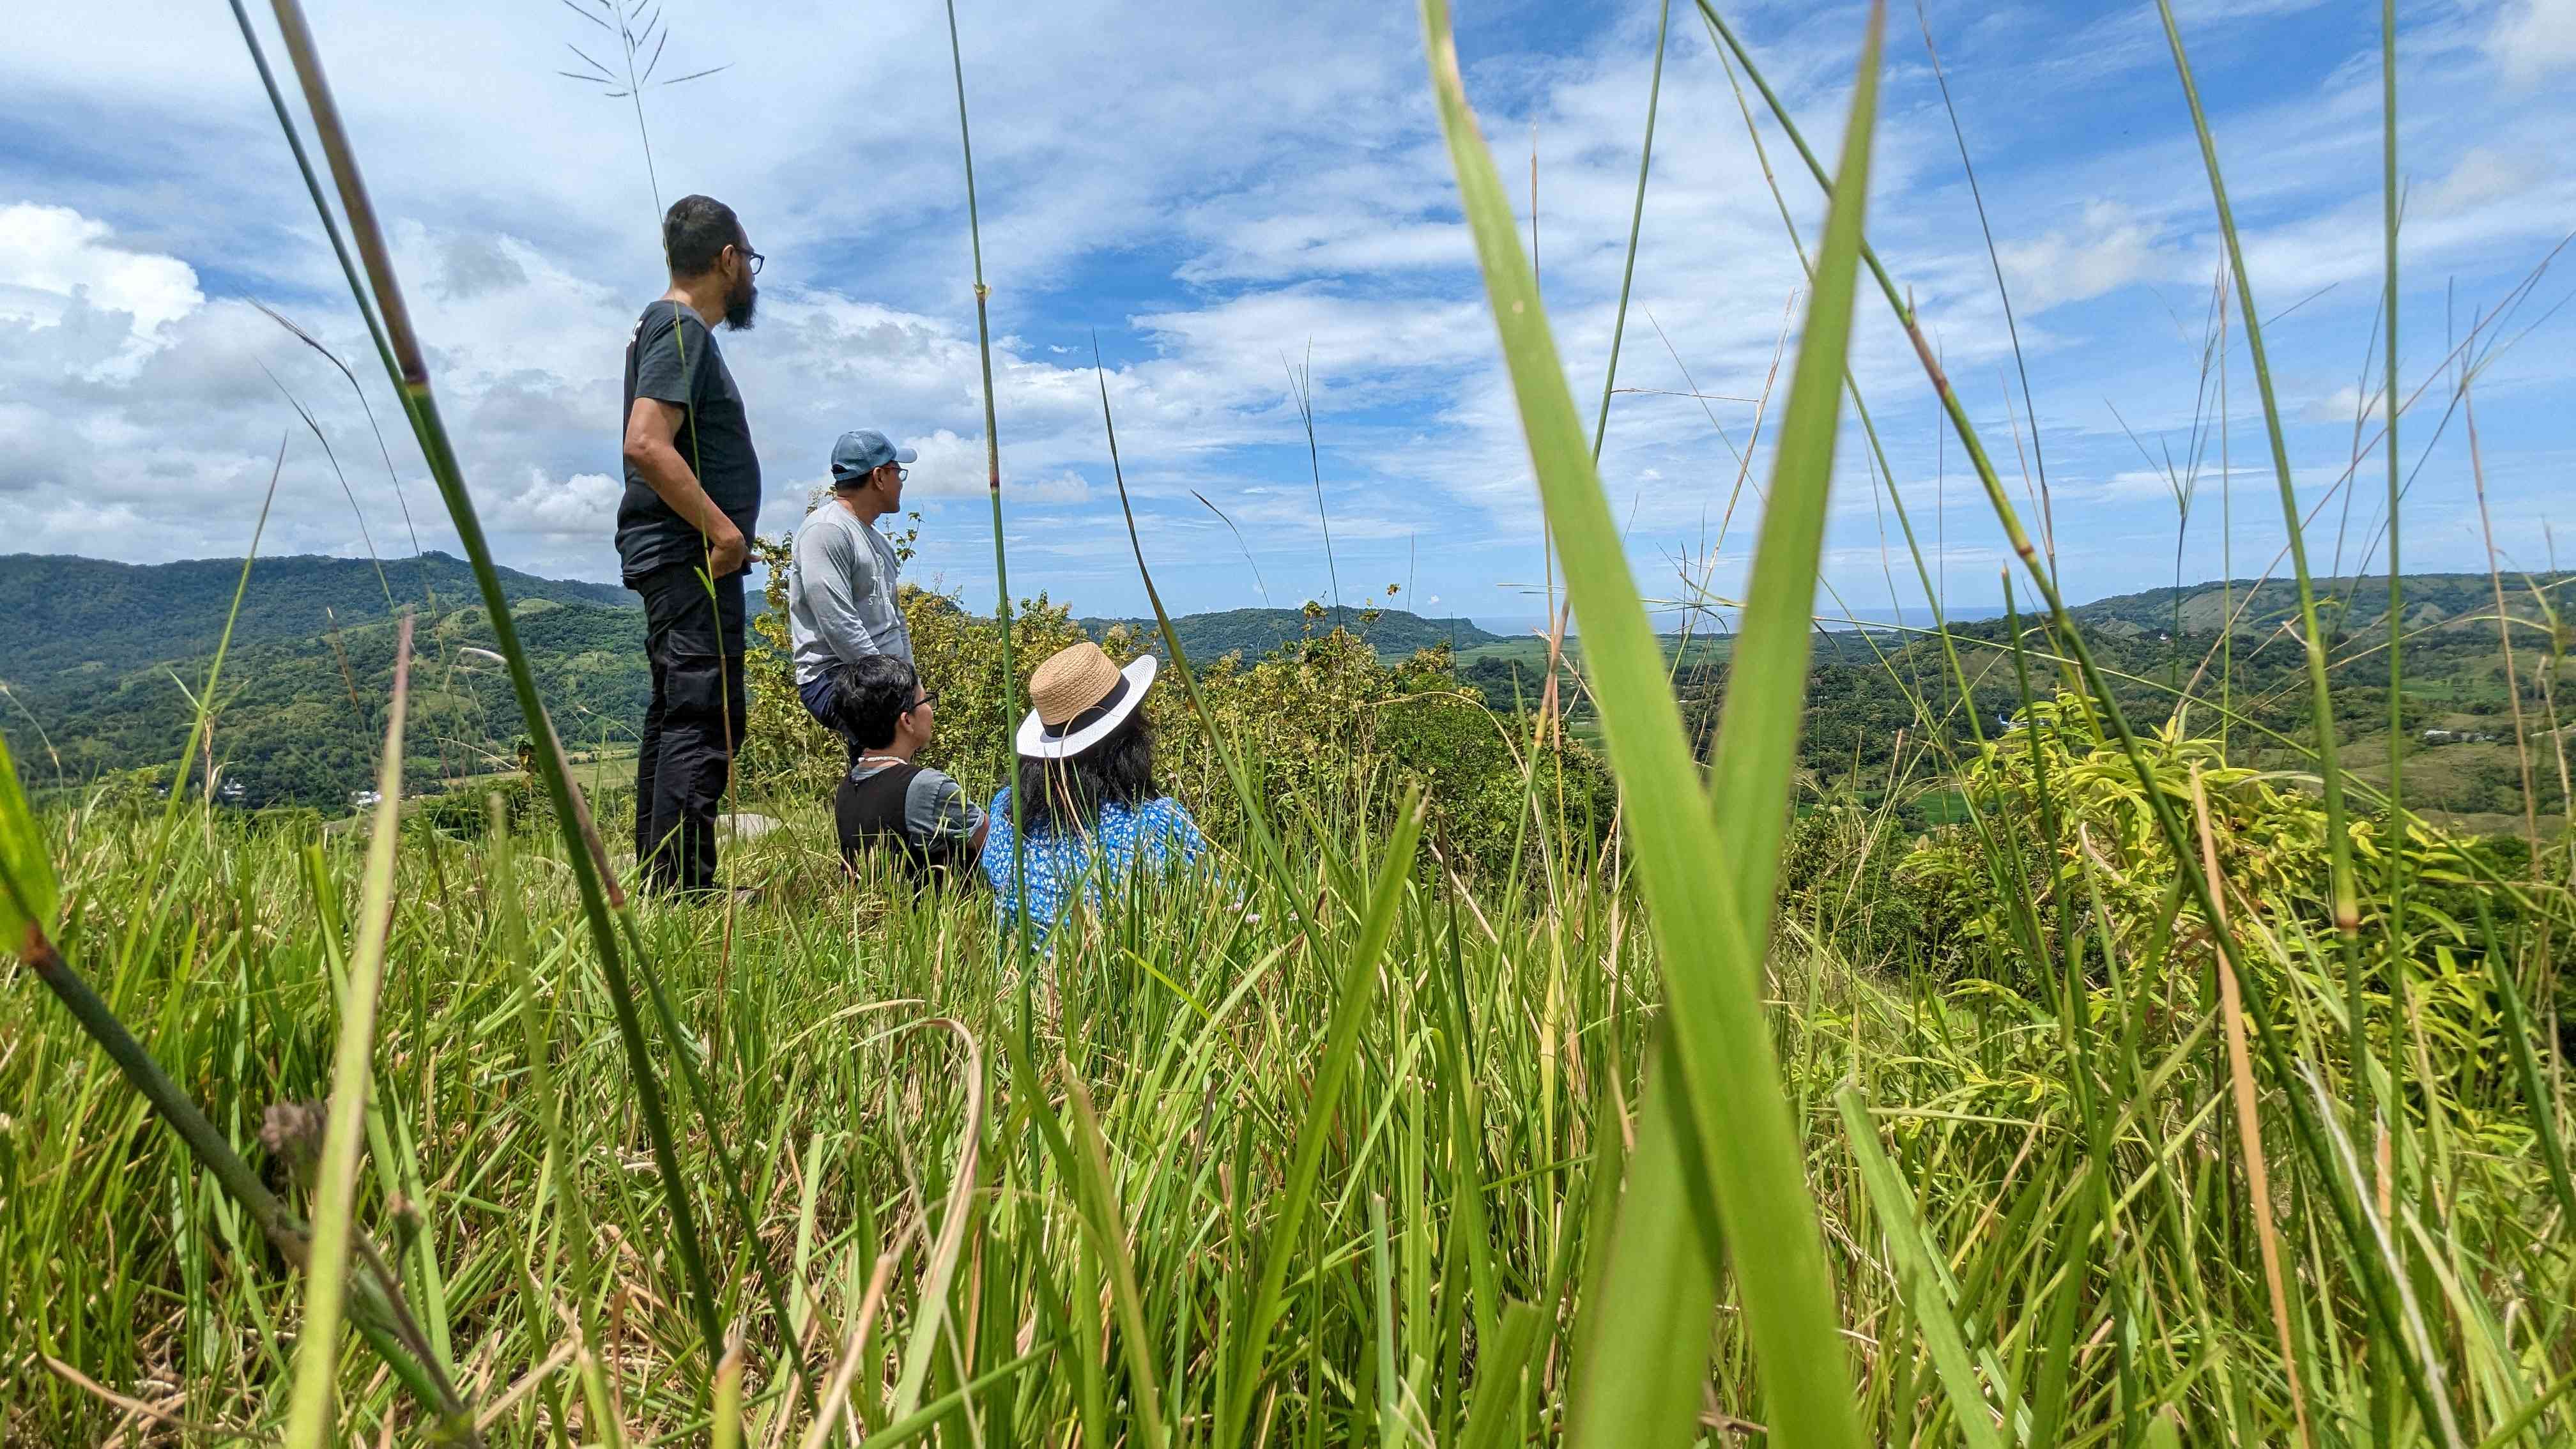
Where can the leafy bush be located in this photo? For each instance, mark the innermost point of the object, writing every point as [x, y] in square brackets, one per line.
[2268, 833]
[1326, 719]
[1986, 910]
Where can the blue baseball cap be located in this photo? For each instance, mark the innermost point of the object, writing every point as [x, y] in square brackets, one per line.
[863, 452]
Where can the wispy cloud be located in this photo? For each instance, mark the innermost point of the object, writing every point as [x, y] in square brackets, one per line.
[2532, 39]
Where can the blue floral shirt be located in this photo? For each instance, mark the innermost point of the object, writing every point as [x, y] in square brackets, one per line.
[1159, 833]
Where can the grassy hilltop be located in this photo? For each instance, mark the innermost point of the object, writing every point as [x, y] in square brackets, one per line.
[854, 1039]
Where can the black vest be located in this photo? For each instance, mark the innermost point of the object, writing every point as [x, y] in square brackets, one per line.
[868, 814]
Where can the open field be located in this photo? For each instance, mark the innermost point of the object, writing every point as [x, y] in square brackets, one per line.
[609, 768]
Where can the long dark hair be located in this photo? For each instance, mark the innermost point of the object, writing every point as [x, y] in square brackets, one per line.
[1061, 795]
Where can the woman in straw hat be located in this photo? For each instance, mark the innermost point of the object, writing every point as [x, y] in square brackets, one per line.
[1086, 784]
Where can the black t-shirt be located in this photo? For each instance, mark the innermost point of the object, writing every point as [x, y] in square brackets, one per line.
[673, 358]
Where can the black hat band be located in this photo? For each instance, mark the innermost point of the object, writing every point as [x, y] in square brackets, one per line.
[1088, 717]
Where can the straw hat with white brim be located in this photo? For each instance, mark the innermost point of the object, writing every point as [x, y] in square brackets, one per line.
[1080, 699]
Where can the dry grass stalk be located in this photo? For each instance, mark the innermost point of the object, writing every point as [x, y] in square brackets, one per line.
[2249, 1125]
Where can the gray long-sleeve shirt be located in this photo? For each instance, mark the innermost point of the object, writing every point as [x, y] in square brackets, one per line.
[840, 593]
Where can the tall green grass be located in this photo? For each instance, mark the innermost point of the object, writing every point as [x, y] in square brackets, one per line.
[1718, 1120]
[380, 294]
[317, 1354]
[1199, 1037]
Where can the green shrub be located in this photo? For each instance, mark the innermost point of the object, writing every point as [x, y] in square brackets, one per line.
[2268, 832]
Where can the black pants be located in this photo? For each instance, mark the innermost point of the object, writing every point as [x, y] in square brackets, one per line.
[692, 726]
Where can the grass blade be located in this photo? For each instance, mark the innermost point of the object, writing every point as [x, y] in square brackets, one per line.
[1916, 1278]
[1297, 1195]
[348, 268]
[317, 1354]
[726, 1432]
[2249, 1123]
[1642, 1347]
[2396, 584]
[1636, 225]
[1711, 904]
[572, 1219]
[1255, 817]
[2519, 1030]
[1302, 385]
[205, 701]
[1498, 1380]
[1009, 691]
[939, 1268]
[1108, 1227]
[409, 370]
[2347, 908]
[29, 893]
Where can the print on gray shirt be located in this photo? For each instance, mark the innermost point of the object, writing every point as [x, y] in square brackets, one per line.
[840, 593]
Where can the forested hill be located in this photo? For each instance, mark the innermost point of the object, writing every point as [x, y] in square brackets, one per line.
[2344, 605]
[63, 617]
[302, 720]
[1253, 633]
[89, 650]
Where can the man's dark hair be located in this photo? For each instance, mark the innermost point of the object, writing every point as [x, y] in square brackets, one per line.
[695, 231]
[1062, 795]
[868, 698]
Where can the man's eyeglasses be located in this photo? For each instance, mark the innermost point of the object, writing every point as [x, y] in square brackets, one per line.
[752, 259]
[903, 475]
[928, 698]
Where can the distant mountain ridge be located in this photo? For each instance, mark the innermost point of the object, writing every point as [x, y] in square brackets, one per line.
[88, 650]
[1253, 633]
[62, 615]
[2345, 603]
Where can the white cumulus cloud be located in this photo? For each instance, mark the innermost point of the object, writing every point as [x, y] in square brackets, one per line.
[50, 254]
[569, 508]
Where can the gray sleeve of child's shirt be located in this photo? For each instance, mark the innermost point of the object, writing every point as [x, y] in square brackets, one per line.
[934, 810]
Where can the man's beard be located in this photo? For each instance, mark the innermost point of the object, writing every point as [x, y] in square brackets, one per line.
[738, 310]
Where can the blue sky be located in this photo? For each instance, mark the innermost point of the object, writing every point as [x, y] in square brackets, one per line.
[1219, 192]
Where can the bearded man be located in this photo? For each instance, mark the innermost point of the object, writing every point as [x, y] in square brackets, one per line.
[692, 494]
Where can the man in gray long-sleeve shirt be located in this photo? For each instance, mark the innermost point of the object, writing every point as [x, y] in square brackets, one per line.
[841, 604]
